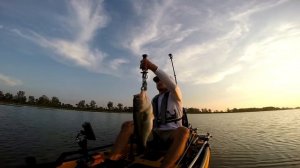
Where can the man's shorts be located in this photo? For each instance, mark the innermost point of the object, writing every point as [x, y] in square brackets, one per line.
[161, 138]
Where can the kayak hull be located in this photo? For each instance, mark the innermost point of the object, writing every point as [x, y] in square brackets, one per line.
[199, 152]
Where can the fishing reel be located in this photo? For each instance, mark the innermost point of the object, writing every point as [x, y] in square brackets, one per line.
[82, 138]
[144, 75]
[86, 134]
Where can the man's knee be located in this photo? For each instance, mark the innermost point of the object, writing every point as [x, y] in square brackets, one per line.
[183, 132]
[127, 124]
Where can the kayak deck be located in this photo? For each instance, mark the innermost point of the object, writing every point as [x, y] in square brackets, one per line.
[196, 154]
[150, 159]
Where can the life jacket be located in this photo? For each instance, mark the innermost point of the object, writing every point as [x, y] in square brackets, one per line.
[162, 117]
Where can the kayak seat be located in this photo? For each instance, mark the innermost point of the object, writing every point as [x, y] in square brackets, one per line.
[157, 143]
[112, 164]
[153, 155]
[138, 165]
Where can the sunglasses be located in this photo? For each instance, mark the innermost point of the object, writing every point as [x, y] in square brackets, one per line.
[156, 79]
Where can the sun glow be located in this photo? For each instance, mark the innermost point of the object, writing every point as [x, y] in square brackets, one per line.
[272, 78]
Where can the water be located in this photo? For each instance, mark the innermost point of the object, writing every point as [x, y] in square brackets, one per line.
[46, 133]
[254, 139]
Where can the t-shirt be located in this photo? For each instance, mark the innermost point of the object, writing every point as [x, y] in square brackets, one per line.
[174, 100]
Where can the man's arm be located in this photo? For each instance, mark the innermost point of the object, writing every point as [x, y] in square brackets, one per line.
[170, 83]
[163, 76]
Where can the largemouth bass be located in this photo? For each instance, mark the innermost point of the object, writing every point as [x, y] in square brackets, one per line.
[143, 118]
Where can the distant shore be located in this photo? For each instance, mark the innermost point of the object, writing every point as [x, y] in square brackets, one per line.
[20, 99]
[59, 108]
[188, 110]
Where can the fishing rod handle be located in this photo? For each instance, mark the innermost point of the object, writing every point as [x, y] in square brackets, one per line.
[145, 56]
[144, 75]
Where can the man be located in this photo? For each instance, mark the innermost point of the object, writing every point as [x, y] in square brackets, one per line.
[167, 108]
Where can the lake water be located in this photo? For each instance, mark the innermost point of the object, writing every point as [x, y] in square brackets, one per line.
[240, 140]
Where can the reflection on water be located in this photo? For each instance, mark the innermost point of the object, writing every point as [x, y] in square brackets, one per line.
[254, 139]
[257, 139]
[46, 133]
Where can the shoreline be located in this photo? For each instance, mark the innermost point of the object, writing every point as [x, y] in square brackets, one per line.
[58, 108]
[113, 111]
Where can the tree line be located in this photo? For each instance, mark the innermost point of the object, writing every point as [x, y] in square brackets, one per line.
[236, 110]
[54, 102]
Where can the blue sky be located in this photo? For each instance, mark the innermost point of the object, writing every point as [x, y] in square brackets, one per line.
[227, 54]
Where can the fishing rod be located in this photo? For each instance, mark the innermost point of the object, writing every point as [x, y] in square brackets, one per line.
[171, 58]
[144, 75]
[136, 107]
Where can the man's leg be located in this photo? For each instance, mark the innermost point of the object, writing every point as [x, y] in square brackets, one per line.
[179, 138]
[122, 141]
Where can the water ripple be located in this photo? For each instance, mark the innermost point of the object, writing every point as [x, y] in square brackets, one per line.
[240, 140]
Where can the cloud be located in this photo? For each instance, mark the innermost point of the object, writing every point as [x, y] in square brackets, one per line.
[281, 43]
[255, 7]
[9, 81]
[273, 61]
[206, 39]
[84, 20]
[86, 17]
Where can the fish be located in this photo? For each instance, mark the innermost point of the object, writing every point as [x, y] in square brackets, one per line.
[143, 118]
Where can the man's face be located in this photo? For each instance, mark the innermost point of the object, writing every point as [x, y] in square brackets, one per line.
[161, 87]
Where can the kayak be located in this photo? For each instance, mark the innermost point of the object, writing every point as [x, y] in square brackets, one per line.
[138, 152]
[196, 155]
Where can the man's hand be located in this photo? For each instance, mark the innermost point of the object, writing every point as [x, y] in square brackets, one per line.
[146, 64]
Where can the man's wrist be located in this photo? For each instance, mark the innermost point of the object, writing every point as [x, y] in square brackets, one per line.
[153, 67]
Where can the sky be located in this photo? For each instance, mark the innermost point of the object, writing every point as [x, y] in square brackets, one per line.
[226, 53]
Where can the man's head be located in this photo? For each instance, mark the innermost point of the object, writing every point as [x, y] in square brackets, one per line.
[161, 87]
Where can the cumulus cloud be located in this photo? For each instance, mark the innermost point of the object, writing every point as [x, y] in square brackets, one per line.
[9, 81]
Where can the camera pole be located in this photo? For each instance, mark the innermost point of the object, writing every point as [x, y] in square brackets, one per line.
[171, 58]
